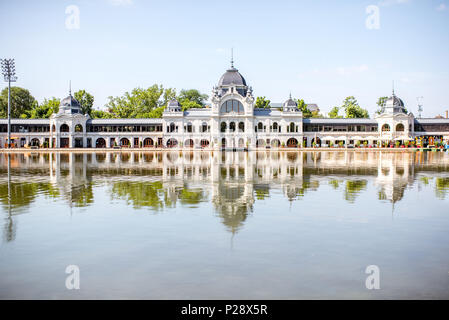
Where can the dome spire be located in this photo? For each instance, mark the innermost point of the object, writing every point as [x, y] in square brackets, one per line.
[232, 58]
[393, 87]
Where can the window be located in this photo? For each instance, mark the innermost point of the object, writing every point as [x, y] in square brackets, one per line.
[385, 128]
[64, 128]
[223, 127]
[232, 106]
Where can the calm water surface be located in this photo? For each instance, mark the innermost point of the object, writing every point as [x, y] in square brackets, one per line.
[199, 225]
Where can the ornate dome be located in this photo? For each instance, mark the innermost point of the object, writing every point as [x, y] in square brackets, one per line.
[290, 104]
[173, 103]
[174, 106]
[232, 77]
[394, 105]
[70, 102]
[394, 101]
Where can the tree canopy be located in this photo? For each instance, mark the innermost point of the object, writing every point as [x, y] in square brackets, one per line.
[334, 113]
[151, 102]
[262, 103]
[352, 108]
[381, 105]
[44, 110]
[21, 103]
[306, 113]
[86, 101]
[191, 98]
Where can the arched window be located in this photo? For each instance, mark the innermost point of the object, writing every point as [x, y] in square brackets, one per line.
[148, 142]
[241, 127]
[124, 142]
[385, 128]
[64, 128]
[275, 127]
[223, 127]
[171, 143]
[292, 127]
[172, 127]
[260, 127]
[204, 127]
[189, 127]
[78, 128]
[292, 143]
[100, 143]
[204, 143]
[188, 143]
[232, 106]
[400, 127]
[232, 127]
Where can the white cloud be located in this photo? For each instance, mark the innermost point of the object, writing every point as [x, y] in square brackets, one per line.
[121, 2]
[442, 7]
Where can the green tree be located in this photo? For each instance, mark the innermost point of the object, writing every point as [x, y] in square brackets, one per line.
[21, 103]
[101, 114]
[262, 103]
[140, 103]
[334, 113]
[352, 108]
[381, 105]
[302, 106]
[192, 98]
[86, 101]
[46, 109]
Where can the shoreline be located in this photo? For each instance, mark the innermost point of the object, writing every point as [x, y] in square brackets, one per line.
[152, 150]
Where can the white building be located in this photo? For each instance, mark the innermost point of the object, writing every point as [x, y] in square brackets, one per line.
[231, 122]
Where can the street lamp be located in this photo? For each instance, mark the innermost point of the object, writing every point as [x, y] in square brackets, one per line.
[9, 73]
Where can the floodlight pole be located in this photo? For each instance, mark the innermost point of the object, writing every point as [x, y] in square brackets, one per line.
[9, 112]
[9, 72]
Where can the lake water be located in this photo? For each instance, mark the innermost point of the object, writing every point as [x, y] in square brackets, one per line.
[200, 225]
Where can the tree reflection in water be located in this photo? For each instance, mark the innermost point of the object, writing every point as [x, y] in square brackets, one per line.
[232, 182]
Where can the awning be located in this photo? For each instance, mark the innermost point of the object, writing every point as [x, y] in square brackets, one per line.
[403, 138]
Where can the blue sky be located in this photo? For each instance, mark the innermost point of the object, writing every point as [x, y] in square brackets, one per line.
[321, 51]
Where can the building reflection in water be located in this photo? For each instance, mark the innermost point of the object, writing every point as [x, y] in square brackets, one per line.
[232, 182]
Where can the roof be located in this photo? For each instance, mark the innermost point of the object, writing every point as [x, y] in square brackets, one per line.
[69, 101]
[173, 103]
[339, 121]
[26, 121]
[313, 107]
[290, 103]
[232, 76]
[126, 121]
[198, 112]
[432, 120]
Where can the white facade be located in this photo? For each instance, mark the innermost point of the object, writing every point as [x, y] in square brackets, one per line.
[231, 122]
